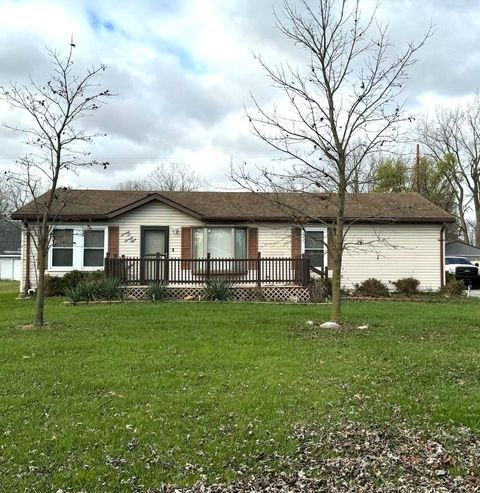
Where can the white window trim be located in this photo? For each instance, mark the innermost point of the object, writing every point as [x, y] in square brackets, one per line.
[232, 228]
[78, 246]
[325, 241]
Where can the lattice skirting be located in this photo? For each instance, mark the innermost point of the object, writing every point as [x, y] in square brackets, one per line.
[291, 294]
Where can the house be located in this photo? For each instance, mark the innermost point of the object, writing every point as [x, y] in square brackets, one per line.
[185, 237]
[10, 262]
[458, 248]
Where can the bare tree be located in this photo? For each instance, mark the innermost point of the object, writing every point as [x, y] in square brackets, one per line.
[454, 136]
[177, 177]
[343, 105]
[57, 142]
[14, 194]
[132, 184]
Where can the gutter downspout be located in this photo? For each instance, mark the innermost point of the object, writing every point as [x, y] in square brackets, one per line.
[442, 255]
[26, 286]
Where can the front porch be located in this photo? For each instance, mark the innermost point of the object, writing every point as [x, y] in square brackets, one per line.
[269, 278]
[258, 271]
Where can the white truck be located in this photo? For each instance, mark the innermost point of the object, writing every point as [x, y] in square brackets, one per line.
[463, 270]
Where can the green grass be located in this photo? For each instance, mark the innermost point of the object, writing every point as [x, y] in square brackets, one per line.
[9, 287]
[204, 388]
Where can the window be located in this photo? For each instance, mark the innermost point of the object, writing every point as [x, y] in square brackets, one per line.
[220, 242]
[62, 248]
[93, 247]
[314, 247]
[457, 260]
[77, 248]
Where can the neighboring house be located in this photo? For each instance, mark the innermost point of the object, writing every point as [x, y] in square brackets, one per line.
[458, 248]
[389, 236]
[10, 261]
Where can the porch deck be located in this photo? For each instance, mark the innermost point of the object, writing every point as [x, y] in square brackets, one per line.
[242, 272]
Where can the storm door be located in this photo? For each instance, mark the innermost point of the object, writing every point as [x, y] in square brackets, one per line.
[154, 252]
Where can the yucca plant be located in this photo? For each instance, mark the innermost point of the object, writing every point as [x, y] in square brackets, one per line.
[109, 288]
[73, 294]
[157, 291]
[87, 291]
[217, 290]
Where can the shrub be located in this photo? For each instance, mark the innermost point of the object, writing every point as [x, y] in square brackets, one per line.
[372, 288]
[320, 288]
[157, 291]
[54, 286]
[217, 290]
[453, 288]
[74, 294]
[73, 278]
[87, 291]
[407, 286]
[109, 288]
[449, 277]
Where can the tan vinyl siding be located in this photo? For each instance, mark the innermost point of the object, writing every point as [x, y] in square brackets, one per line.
[152, 214]
[274, 240]
[33, 261]
[391, 251]
[23, 250]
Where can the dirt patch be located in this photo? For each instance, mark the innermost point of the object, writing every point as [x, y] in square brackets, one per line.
[25, 326]
[31, 326]
[312, 330]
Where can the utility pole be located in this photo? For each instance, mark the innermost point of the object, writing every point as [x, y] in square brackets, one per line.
[417, 170]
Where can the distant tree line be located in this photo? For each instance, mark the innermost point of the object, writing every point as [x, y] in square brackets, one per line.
[448, 173]
[179, 177]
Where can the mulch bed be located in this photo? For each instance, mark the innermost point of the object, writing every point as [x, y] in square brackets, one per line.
[351, 458]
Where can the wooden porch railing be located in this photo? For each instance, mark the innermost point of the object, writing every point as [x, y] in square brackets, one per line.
[259, 270]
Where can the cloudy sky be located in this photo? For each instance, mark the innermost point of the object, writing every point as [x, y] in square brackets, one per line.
[183, 70]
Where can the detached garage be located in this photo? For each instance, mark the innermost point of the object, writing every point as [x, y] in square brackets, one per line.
[458, 248]
[10, 259]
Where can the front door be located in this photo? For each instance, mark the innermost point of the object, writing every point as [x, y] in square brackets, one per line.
[154, 250]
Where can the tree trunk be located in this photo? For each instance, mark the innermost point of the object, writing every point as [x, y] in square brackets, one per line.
[476, 205]
[40, 291]
[338, 253]
[337, 272]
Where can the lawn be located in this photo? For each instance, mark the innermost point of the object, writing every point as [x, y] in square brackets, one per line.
[111, 397]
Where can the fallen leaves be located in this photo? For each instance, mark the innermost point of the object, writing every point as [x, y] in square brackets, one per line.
[351, 458]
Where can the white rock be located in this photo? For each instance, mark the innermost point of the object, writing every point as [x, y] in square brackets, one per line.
[362, 327]
[309, 322]
[330, 325]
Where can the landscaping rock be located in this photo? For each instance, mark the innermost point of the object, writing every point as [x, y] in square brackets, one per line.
[189, 298]
[330, 325]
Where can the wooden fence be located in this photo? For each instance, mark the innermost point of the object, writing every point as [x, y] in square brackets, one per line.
[259, 270]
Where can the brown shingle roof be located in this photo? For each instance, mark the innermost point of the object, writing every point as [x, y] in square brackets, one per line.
[243, 206]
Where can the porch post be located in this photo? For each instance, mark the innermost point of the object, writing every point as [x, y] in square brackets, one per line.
[259, 269]
[123, 269]
[142, 271]
[306, 270]
[157, 267]
[208, 266]
[301, 269]
[166, 269]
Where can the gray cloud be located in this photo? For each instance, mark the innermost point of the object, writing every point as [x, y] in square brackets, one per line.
[183, 71]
